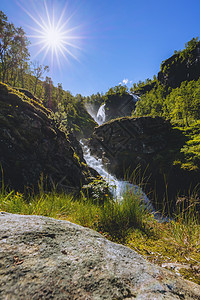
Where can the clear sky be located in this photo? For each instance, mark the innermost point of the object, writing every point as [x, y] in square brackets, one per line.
[107, 40]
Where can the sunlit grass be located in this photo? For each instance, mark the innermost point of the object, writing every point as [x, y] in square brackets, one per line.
[174, 244]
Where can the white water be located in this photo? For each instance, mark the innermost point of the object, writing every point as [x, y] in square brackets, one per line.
[91, 112]
[135, 98]
[101, 115]
[118, 187]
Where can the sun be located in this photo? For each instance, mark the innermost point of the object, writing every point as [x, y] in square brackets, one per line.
[54, 36]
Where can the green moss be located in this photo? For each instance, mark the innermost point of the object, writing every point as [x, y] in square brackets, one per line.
[12, 91]
[192, 274]
[165, 246]
[76, 157]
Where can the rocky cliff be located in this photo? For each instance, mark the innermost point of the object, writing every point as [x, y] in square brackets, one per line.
[32, 146]
[118, 105]
[181, 66]
[149, 147]
[44, 258]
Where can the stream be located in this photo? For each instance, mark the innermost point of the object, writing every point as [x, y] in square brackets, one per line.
[117, 187]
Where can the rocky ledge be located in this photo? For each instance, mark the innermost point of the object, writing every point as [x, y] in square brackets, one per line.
[44, 258]
[34, 150]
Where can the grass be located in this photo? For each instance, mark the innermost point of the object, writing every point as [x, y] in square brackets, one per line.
[174, 244]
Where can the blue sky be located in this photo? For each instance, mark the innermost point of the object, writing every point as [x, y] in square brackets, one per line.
[112, 40]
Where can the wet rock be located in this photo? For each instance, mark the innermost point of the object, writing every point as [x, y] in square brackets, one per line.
[116, 106]
[44, 258]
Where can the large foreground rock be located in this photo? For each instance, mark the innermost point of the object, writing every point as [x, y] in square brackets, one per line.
[32, 145]
[44, 258]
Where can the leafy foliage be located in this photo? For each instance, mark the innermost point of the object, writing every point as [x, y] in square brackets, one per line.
[13, 49]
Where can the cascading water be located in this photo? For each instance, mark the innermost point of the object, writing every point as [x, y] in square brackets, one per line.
[135, 97]
[101, 115]
[91, 112]
[118, 187]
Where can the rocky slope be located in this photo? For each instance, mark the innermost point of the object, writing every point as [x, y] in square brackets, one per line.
[44, 258]
[32, 145]
[150, 146]
[181, 66]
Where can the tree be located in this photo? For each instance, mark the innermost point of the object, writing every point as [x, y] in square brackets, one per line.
[48, 92]
[38, 71]
[59, 93]
[13, 46]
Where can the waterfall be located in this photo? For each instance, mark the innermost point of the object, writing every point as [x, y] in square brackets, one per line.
[89, 109]
[135, 97]
[118, 187]
[101, 115]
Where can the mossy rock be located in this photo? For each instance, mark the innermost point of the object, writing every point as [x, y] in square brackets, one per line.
[32, 145]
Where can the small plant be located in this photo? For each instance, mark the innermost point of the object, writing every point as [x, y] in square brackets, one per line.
[98, 191]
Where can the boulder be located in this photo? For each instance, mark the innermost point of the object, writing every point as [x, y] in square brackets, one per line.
[34, 150]
[146, 147]
[45, 258]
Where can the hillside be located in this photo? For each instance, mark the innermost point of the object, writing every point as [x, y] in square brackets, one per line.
[34, 150]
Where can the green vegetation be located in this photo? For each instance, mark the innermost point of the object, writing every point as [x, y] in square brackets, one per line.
[174, 244]
[185, 54]
[18, 71]
[180, 106]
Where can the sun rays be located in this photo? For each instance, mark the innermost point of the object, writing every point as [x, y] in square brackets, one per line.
[54, 36]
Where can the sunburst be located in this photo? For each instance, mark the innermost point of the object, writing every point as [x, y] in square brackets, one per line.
[54, 36]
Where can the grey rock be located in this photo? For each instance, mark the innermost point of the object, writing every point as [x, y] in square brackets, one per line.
[44, 258]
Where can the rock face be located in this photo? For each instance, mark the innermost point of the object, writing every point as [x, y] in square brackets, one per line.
[119, 106]
[178, 68]
[146, 144]
[31, 146]
[44, 258]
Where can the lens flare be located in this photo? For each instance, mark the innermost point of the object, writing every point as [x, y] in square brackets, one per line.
[54, 36]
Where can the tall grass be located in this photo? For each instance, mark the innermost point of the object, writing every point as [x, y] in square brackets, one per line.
[119, 217]
[128, 221]
[114, 218]
[185, 225]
